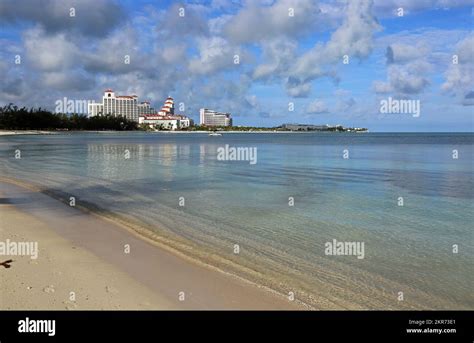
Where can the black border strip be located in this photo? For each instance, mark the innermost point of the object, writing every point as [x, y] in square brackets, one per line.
[245, 325]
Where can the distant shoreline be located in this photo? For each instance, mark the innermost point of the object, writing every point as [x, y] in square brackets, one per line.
[59, 132]
[46, 132]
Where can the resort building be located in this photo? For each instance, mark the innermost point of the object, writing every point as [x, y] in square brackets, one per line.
[128, 107]
[145, 109]
[95, 109]
[116, 105]
[212, 118]
[165, 123]
[165, 119]
[168, 107]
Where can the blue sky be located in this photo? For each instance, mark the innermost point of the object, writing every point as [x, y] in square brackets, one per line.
[285, 62]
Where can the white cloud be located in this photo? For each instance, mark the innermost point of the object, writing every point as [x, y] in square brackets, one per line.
[401, 53]
[49, 52]
[316, 107]
[408, 67]
[174, 53]
[215, 54]
[468, 99]
[274, 20]
[388, 8]
[352, 38]
[192, 57]
[173, 25]
[382, 87]
[67, 81]
[92, 17]
[406, 79]
[459, 78]
[278, 54]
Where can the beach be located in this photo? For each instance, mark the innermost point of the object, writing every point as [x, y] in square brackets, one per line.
[84, 254]
[191, 218]
[25, 132]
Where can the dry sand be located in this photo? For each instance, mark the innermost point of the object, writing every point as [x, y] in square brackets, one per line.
[62, 268]
[82, 253]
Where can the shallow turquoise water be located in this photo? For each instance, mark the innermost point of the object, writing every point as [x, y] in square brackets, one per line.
[407, 248]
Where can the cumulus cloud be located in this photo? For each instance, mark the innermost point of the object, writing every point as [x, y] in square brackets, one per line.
[401, 53]
[278, 54]
[174, 53]
[111, 54]
[49, 52]
[459, 78]
[346, 105]
[215, 54]
[216, 25]
[72, 80]
[297, 89]
[408, 69]
[352, 38]
[13, 88]
[408, 80]
[405, 79]
[287, 18]
[388, 8]
[381, 87]
[316, 107]
[191, 57]
[11, 85]
[469, 99]
[182, 21]
[92, 17]
[345, 102]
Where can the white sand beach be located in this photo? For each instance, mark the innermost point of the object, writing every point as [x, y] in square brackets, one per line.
[84, 254]
[25, 132]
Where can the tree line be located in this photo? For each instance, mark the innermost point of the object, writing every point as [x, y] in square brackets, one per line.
[16, 118]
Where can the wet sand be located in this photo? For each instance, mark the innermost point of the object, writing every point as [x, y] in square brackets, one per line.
[106, 265]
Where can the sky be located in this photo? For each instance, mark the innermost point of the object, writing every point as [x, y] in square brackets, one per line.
[267, 62]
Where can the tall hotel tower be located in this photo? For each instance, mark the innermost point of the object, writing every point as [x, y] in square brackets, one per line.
[213, 118]
[116, 105]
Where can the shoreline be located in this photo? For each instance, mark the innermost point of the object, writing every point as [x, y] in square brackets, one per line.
[27, 132]
[46, 132]
[260, 297]
[59, 132]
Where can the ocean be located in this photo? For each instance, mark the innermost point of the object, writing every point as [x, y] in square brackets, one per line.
[408, 197]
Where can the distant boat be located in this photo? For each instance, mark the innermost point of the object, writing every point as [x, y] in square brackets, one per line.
[215, 134]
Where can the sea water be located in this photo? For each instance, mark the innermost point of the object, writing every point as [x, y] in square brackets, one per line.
[407, 197]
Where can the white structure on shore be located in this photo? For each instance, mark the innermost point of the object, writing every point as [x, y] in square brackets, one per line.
[95, 109]
[128, 107]
[116, 105]
[144, 108]
[172, 123]
[168, 107]
[212, 118]
[165, 119]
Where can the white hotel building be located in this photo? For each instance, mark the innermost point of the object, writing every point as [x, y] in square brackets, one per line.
[116, 105]
[165, 119]
[212, 118]
[128, 107]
